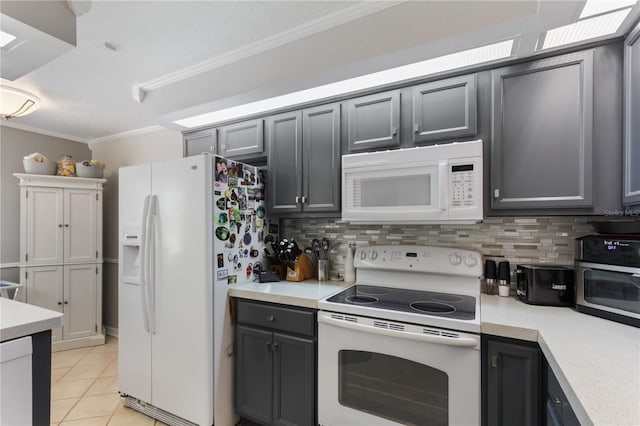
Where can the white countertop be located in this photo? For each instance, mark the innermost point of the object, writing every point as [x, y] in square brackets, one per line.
[596, 361]
[19, 319]
[303, 293]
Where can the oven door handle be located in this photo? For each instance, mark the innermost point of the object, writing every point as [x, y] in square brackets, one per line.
[466, 341]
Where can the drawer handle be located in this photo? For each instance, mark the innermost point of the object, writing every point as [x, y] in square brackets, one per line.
[271, 318]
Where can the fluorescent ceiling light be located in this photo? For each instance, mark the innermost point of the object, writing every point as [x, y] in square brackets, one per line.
[597, 7]
[6, 38]
[483, 54]
[585, 29]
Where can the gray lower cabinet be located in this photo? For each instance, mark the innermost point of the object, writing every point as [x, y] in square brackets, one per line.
[275, 356]
[631, 183]
[242, 140]
[558, 411]
[304, 161]
[196, 143]
[373, 121]
[511, 382]
[445, 109]
[542, 134]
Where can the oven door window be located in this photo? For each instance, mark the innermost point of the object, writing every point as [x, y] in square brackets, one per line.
[612, 289]
[393, 388]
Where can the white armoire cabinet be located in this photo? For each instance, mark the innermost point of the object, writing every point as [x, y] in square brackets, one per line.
[61, 253]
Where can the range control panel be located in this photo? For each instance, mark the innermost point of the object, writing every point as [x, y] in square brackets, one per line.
[428, 259]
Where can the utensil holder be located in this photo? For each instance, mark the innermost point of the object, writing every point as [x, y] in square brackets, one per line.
[323, 269]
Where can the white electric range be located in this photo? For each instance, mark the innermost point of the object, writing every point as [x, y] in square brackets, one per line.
[402, 345]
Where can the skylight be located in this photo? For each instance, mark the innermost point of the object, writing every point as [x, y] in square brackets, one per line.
[479, 55]
[6, 38]
[598, 19]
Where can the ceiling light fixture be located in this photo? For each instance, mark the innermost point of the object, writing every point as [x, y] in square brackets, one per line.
[598, 7]
[457, 60]
[16, 102]
[6, 38]
[596, 20]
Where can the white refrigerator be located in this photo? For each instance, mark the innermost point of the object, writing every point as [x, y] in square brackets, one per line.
[188, 229]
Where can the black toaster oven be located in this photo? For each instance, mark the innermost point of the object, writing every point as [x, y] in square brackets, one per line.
[550, 285]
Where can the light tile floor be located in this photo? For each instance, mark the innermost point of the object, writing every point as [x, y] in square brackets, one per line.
[84, 389]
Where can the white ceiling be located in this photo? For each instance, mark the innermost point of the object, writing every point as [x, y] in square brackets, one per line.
[188, 57]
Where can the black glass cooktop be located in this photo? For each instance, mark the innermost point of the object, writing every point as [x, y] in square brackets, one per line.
[413, 301]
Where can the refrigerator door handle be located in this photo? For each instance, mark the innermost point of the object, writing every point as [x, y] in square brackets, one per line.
[144, 262]
[151, 284]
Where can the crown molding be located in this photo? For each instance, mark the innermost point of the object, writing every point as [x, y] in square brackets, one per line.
[129, 133]
[24, 127]
[344, 16]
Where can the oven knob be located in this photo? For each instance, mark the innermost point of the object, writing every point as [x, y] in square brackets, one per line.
[373, 255]
[455, 259]
[470, 261]
[363, 255]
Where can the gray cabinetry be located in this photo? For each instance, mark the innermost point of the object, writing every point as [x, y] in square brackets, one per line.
[557, 408]
[445, 109]
[304, 160]
[275, 378]
[511, 376]
[374, 121]
[542, 142]
[242, 140]
[631, 183]
[198, 142]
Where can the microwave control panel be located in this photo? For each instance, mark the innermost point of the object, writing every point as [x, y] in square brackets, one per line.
[462, 178]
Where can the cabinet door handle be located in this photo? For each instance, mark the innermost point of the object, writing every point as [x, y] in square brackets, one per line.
[275, 346]
[304, 199]
[66, 302]
[394, 131]
[297, 199]
[269, 346]
[212, 149]
[59, 225]
[66, 225]
[494, 361]
[271, 318]
[59, 303]
[416, 128]
[496, 193]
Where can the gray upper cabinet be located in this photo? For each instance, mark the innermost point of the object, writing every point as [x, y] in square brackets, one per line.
[321, 158]
[304, 160]
[284, 184]
[242, 140]
[374, 121]
[631, 183]
[198, 142]
[542, 134]
[445, 109]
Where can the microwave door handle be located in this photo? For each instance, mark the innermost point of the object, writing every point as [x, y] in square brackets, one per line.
[443, 185]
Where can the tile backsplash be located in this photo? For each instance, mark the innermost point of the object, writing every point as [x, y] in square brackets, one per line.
[538, 239]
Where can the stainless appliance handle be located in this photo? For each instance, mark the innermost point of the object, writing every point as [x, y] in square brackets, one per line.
[144, 262]
[612, 268]
[440, 340]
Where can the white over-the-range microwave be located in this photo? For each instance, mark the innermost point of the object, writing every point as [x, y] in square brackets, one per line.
[431, 184]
